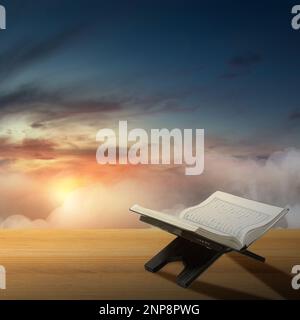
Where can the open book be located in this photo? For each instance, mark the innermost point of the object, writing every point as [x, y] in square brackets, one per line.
[224, 218]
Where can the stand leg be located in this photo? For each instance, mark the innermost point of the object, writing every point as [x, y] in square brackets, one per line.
[193, 268]
[195, 258]
[169, 254]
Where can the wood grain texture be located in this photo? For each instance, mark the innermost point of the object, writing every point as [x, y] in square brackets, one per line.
[109, 264]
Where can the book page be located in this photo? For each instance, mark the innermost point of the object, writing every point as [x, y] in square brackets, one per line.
[173, 220]
[225, 217]
[230, 215]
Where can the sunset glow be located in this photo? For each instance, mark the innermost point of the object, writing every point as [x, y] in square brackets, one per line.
[61, 188]
[155, 65]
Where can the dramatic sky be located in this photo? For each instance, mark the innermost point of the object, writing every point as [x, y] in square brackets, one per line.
[70, 68]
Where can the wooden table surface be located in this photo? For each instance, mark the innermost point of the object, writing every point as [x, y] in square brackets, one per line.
[109, 264]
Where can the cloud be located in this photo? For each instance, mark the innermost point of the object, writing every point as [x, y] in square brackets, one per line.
[27, 95]
[241, 65]
[37, 125]
[98, 206]
[27, 52]
[53, 104]
[27, 148]
[245, 60]
[22, 222]
[21, 195]
[105, 203]
[293, 217]
[294, 116]
[275, 181]
[44, 105]
[5, 162]
[233, 74]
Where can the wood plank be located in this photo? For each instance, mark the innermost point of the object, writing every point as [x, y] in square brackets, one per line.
[109, 264]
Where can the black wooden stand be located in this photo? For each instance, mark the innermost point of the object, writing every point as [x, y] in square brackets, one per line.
[197, 253]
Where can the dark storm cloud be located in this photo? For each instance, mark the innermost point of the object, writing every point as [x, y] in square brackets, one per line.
[53, 104]
[22, 96]
[48, 104]
[245, 60]
[231, 75]
[25, 53]
[294, 115]
[241, 65]
[36, 125]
